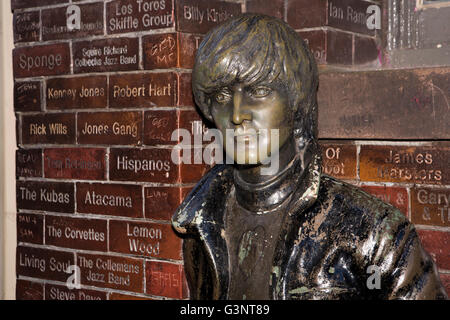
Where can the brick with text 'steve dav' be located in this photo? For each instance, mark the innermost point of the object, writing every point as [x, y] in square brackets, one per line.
[170, 50]
[48, 128]
[43, 263]
[29, 163]
[114, 54]
[44, 60]
[165, 279]
[30, 228]
[110, 199]
[75, 163]
[29, 290]
[60, 23]
[27, 96]
[45, 196]
[76, 233]
[76, 93]
[63, 293]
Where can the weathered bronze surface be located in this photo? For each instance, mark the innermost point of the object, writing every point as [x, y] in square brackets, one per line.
[297, 233]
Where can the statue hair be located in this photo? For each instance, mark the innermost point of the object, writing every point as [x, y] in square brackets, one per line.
[252, 49]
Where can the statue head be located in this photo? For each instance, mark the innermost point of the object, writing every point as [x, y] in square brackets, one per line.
[255, 72]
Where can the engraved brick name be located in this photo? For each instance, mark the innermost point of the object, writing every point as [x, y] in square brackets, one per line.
[27, 96]
[49, 128]
[396, 196]
[62, 293]
[26, 26]
[29, 163]
[339, 160]
[165, 279]
[45, 196]
[30, 228]
[430, 206]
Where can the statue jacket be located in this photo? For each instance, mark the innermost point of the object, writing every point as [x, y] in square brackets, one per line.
[336, 242]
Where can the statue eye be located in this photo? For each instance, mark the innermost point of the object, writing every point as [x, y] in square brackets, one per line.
[222, 97]
[260, 92]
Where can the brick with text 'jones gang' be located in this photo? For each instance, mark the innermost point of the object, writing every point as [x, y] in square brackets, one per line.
[76, 93]
[430, 206]
[30, 228]
[133, 16]
[45, 196]
[75, 163]
[48, 128]
[120, 128]
[114, 54]
[146, 165]
[119, 273]
[76, 233]
[28, 163]
[55, 21]
[110, 199]
[422, 165]
[27, 96]
[165, 279]
[43, 263]
[145, 239]
[44, 60]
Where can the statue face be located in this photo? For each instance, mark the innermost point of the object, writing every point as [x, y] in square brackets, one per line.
[248, 109]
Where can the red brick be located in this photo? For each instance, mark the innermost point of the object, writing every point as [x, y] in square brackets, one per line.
[77, 93]
[445, 279]
[165, 279]
[339, 160]
[76, 233]
[161, 202]
[45, 196]
[143, 90]
[48, 128]
[121, 296]
[132, 16]
[54, 22]
[170, 50]
[73, 163]
[121, 128]
[99, 56]
[29, 163]
[159, 126]
[148, 165]
[396, 196]
[437, 244]
[110, 199]
[27, 96]
[185, 96]
[43, 263]
[23, 4]
[203, 15]
[29, 290]
[273, 8]
[144, 239]
[349, 15]
[26, 26]
[114, 272]
[30, 228]
[430, 206]
[423, 165]
[193, 172]
[46, 60]
[62, 293]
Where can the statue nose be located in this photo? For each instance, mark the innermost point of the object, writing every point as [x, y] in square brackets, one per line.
[238, 115]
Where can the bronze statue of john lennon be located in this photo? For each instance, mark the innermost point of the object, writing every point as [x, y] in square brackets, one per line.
[294, 233]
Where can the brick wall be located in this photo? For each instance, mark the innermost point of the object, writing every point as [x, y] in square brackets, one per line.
[96, 106]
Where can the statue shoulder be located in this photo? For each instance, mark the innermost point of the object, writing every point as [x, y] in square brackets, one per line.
[210, 191]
